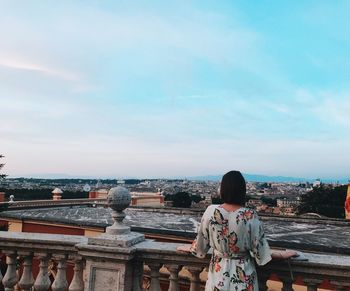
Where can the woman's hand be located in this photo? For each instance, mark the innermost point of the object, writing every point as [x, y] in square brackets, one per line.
[283, 255]
[184, 248]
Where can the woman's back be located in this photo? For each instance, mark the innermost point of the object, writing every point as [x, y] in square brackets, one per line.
[236, 237]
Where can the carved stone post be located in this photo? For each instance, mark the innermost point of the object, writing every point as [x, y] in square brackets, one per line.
[137, 275]
[155, 274]
[195, 280]
[42, 282]
[110, 258]
[174, 277]
[312, 283]
[287, 284]
[262, 281]
[60, 283]
[10, 279]
[27, 279]
[311, 287]
[77, 283]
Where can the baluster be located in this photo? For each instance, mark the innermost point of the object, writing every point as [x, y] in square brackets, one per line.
[42, 282]
[27, 279]
[262, 281]
[10, 279]
[312, 284]
[77, 283]
[155, 284]
[60, 283]
[1, 277]
[174, 277]
[137, 275]
[287, 284]
[195, 280]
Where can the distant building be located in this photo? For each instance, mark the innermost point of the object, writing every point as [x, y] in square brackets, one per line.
[101, 193]
[147, 198]
[317, 183]
[288, 202]
[254, 203]
[137, 198]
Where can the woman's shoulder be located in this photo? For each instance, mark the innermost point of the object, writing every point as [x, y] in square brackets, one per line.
[211, 208]
[247, 214]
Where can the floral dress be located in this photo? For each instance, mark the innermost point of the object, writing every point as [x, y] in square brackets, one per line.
[236, 237]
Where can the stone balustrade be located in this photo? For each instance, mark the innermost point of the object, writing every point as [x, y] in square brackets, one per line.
[52, 253]
[105, 267]
[318, 267]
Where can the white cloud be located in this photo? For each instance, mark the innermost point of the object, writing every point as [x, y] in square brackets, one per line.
[15, 63]
[334, 111]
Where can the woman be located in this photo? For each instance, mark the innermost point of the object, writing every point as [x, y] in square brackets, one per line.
[236, 236]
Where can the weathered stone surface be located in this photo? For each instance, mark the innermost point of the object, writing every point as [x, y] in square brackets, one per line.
[305, 234]
[126, 240]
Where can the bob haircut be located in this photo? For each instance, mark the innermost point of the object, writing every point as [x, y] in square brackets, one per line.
[233, 188]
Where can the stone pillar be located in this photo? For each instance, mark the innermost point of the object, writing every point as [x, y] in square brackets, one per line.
[110, 258]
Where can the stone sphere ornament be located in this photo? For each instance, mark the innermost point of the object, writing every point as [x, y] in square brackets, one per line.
[118, 234]
[118, 200]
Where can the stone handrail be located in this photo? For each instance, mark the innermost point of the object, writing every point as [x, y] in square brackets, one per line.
[51, 203]
[54, 252]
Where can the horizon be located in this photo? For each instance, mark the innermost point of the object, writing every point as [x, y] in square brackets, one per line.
[248, 177]
[181, 88]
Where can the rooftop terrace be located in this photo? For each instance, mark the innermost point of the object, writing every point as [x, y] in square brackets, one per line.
[121, 262]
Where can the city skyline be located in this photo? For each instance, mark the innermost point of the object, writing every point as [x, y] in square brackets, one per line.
[182, 88]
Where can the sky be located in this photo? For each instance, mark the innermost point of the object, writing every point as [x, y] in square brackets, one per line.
[175, 88]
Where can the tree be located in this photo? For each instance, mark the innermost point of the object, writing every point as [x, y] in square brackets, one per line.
[1, 165]
[269, 201]
[182, 199]
[196, 198]
[216, 200]
[325, 200]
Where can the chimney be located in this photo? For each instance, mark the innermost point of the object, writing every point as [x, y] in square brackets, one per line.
[56, 194]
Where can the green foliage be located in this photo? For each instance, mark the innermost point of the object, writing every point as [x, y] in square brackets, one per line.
[196, 198]
[269, 201]
[2, 176]
[216, 200]
[325, 200]
[3, 207]
[182, 199]
[168, 197]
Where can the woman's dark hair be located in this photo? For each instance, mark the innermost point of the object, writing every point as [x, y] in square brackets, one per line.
[233, 188]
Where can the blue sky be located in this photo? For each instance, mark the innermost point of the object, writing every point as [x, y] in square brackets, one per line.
[169, 88]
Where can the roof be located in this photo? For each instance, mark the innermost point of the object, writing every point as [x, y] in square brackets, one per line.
[307, 234]
[57, 191]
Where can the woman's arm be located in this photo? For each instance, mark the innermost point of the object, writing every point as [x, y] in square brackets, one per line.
[184, 248]
[283, 255]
